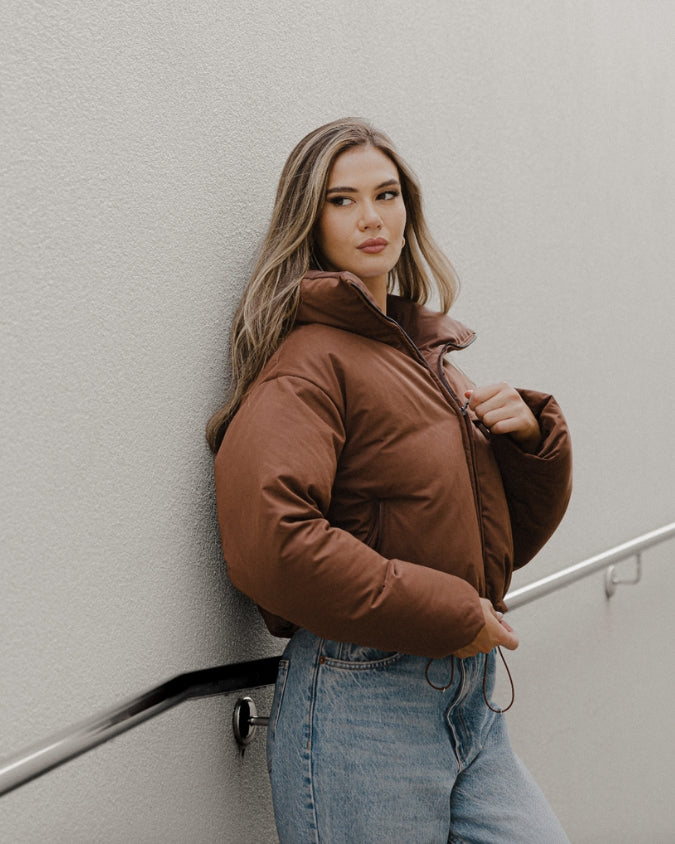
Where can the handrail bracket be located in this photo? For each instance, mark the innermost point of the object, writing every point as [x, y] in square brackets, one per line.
[245, 719]
[612, 581]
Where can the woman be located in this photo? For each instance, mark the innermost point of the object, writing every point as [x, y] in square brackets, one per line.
[374, 503]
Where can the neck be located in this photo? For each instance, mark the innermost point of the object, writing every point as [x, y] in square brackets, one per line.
[377, 287]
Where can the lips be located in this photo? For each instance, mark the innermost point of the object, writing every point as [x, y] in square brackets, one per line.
[373, 245]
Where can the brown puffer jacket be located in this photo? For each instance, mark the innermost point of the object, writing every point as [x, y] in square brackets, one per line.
[355, 496]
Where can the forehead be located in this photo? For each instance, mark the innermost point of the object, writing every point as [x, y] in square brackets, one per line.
[362, 164]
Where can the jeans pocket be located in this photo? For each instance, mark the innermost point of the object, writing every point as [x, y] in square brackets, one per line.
[280, 686]
[351, 656]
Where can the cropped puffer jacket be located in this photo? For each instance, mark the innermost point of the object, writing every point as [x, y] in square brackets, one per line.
[360, 499]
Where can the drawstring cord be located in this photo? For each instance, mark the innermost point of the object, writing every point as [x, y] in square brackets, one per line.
[496, 709]
[440, 688]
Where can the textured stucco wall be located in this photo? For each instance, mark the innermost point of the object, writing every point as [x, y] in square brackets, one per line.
[140, 144]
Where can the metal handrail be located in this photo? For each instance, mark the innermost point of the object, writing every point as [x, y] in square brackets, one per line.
[519, 597]
[77, 739]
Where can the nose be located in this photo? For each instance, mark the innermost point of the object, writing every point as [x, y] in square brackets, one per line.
[370, 219]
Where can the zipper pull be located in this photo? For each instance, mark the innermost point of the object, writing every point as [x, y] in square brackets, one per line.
[464, 407]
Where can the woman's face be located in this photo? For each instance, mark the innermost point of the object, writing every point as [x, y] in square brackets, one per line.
[360, 227]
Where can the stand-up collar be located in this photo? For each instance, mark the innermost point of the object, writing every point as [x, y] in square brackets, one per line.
[342, 300]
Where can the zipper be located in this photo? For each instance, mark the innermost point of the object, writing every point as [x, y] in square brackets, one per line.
[468, 425]
[453, 401]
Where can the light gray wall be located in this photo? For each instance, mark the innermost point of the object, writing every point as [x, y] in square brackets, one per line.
[140, 147]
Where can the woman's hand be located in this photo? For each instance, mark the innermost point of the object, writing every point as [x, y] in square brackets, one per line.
[502, 410]
[494, 632]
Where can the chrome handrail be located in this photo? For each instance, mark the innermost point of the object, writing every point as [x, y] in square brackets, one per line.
[69, 743]
[518, 597]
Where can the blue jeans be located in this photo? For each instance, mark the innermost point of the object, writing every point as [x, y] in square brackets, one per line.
[361, 749]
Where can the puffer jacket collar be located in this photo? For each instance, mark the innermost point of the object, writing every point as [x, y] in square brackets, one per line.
[343, 301]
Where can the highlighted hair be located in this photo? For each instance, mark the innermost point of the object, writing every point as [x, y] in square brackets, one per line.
[267, 309]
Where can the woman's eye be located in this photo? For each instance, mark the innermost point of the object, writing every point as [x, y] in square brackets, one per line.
[388, 194]
[340, 200]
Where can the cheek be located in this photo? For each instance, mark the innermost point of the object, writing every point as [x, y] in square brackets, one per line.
[328, 234]
[397, 220]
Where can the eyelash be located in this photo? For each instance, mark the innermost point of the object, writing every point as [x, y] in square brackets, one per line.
[339, 201]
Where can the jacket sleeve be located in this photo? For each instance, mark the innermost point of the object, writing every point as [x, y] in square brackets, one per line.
[274, 475]
[538, 486]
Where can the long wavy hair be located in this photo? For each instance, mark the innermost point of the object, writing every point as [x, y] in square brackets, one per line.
[268, 307]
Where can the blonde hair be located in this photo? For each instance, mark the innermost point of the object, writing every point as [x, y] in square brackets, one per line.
[267, 309]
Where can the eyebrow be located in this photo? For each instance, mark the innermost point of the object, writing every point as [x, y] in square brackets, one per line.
[345, 189]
